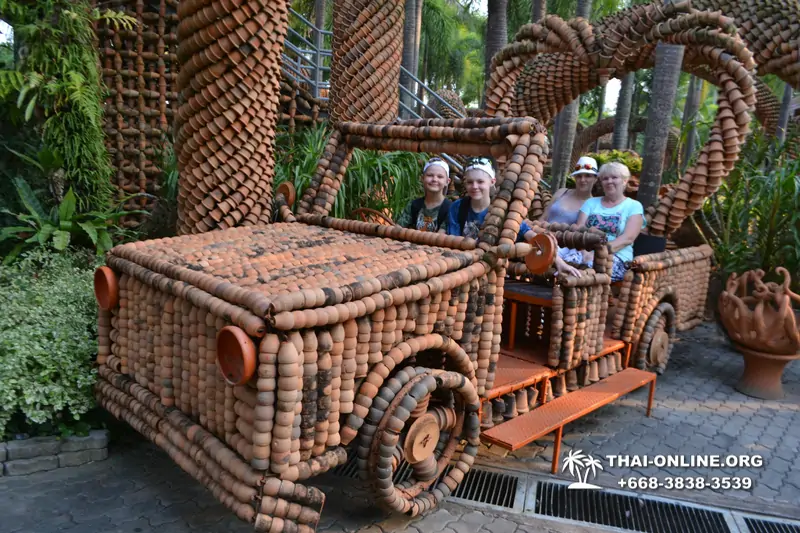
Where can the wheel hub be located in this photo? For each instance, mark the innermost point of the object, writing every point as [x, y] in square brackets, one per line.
[423, 435]
[658, 348]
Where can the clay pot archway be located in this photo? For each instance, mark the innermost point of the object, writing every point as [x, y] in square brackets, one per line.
[623, 44]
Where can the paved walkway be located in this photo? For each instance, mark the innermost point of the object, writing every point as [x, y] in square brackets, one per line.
[696, 411]
[138, 489]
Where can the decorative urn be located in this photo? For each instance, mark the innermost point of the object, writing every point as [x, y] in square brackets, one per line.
[761, 318]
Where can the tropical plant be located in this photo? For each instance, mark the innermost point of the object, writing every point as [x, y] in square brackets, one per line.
[61, 226]
[54, 86]
[753, 221]
[378, 180]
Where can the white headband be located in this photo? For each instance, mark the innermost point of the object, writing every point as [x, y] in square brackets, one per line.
[486, 167]
[439, 163]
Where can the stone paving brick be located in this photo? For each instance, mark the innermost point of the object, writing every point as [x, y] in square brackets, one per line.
[501, 525]
[34, 447]
[23, 467]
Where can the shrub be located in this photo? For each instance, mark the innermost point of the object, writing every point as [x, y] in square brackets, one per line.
[49, 336]
[630, 159]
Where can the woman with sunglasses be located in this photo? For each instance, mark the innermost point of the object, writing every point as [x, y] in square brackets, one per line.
[429, 213]
[566, 204]
[619, 217]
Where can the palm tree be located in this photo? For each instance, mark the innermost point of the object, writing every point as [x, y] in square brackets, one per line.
[666, 75]
[568, 121]
[409, 34]
[663, 89]
[538, 10]
[496, 33]
[689, 118]
[783, 119]
[622, 119]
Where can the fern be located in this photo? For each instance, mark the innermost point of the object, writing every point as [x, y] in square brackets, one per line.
[57, 89]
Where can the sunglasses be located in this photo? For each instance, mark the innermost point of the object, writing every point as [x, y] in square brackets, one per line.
[479, 161]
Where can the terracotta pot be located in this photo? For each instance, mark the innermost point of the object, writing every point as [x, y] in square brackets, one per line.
[106, 288]
[236, 355]
[761, 320]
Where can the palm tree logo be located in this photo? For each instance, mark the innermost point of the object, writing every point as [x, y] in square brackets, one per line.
[580, 465]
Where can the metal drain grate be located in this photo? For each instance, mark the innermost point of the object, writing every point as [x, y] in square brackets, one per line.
[767, 526]
[627, 512]
[480, 486]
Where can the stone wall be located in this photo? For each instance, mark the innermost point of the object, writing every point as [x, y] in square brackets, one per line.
[21, 457]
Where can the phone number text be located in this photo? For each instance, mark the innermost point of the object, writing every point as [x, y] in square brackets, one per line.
[686, 483]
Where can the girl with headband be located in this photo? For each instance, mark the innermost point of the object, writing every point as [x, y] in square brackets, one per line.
[429, 213]
[467, 214]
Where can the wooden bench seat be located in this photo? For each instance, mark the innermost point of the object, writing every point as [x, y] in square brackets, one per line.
[554, 415]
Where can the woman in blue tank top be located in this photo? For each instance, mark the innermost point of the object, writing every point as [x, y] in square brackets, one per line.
[566, 204]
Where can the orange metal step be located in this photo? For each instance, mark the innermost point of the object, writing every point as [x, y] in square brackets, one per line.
[522, 430]
[512, 374]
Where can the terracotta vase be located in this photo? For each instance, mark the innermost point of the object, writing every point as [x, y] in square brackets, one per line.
[762, 321]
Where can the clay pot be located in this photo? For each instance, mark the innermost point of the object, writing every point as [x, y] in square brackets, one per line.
[236, 355]
[761, 320]
[106, 288]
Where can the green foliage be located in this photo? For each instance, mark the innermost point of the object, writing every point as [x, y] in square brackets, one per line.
[629, 159]
[451, 49]
[48, 341]
[62, 226]
[753, 221]
[379, 180]
[55, 85]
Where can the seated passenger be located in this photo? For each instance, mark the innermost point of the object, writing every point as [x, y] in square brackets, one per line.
[619, 217]
[429, 213]
[566, 204]
[467, 214]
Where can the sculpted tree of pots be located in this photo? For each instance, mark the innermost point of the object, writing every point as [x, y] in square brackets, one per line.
[762, 321]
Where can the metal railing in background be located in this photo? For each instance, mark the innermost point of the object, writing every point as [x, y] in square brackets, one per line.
[309, 65]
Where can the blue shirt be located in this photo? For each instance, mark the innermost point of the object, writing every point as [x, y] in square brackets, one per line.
[472, 225]
[612, 220]
[474, 222]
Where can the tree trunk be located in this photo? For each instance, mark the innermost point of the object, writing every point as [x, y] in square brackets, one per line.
[418, 28]
[601, 104]
[636, 111]
[409, 33]
[690, 119]
[496, 35]
[659, 114]
[562, 153]
[538, 10]
[783, 118]
[622, 119]
[423, 75]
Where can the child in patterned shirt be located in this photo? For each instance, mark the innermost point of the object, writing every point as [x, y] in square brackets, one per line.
[429, 213]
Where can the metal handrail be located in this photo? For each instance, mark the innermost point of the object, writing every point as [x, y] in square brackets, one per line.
[309, 23]
[319, 53]
[430, 92]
